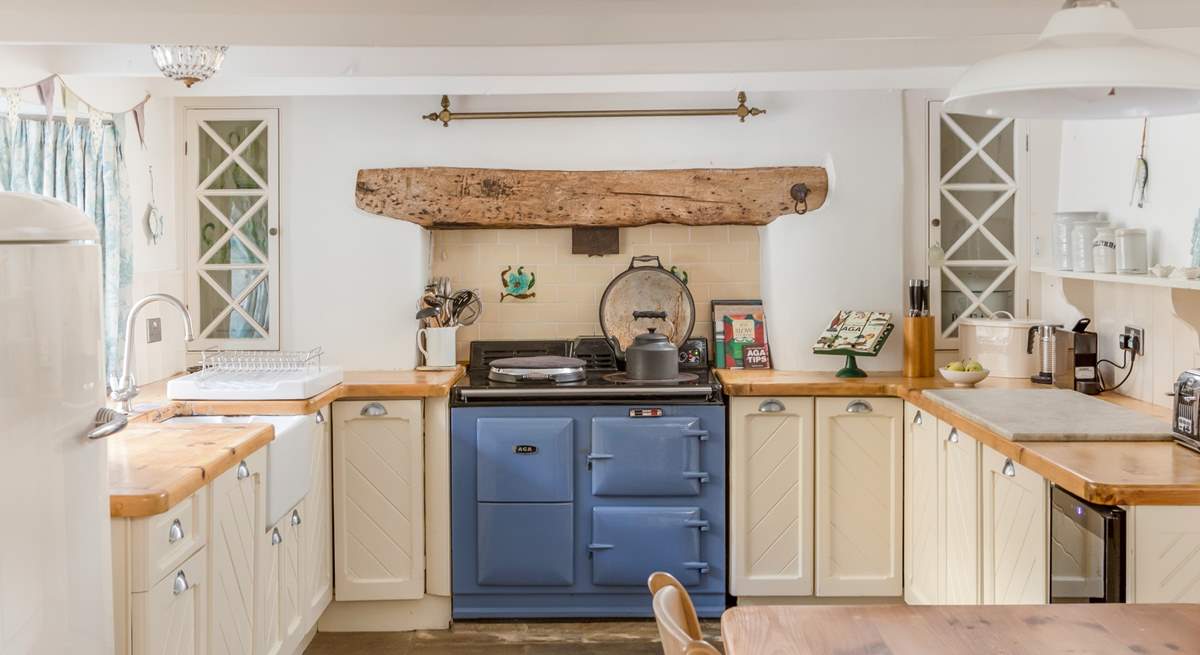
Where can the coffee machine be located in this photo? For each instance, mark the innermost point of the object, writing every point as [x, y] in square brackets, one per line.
[1069, 357]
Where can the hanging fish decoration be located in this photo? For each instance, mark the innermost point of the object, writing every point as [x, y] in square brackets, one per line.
[1141, 174]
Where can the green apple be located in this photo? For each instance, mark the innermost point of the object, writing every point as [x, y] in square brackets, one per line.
[974, 366]
[955, 366]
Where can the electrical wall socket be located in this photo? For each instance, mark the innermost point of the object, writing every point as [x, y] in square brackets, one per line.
[153, 330]
[1134, 339]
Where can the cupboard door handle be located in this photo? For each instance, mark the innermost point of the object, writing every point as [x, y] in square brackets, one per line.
[953, 438]
[373, 409]
[175, 532]
[320, 418]
[771, 406]
[243, 471]
[1009, 469]
[296, 517]
[276, 538]
[859, 407]
[918, 419]
[181, 584]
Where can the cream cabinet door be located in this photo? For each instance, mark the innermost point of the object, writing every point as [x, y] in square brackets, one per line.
[237, 511]
[1164, 554]
[1015, 547]
[771, 496]
[317, 574]
[923, 533]
[378, 506]
[959, 481]
[269, 621]
[169, 619]
[292, 602]
[859, 491]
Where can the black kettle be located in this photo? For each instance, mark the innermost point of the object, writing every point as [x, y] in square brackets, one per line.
[651, 356]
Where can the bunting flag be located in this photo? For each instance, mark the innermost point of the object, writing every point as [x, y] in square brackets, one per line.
[46, 93]
[72, 104]
[139, 121]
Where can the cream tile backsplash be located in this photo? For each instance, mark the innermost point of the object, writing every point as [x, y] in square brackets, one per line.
[721, 262]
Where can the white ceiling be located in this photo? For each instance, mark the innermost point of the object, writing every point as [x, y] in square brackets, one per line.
[300, 47]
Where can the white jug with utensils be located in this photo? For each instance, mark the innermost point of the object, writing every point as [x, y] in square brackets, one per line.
[437, 344]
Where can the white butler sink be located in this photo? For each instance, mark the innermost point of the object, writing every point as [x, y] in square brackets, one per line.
[289, 456]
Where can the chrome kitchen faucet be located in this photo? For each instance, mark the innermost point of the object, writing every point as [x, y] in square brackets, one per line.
[124, 389]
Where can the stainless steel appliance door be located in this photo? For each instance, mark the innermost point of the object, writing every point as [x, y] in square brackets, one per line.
[1087, 551]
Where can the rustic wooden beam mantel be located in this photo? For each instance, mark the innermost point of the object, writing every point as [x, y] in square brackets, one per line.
[450, 198]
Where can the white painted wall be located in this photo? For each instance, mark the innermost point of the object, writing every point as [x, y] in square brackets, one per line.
[1096, 173]
[351, 280]
[849, 254]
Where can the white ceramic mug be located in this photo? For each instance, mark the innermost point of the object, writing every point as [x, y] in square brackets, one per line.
[439, 345]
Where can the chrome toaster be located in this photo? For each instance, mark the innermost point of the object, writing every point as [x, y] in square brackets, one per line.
[1187, 401]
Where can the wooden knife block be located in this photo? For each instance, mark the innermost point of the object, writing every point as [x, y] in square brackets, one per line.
[918, 347]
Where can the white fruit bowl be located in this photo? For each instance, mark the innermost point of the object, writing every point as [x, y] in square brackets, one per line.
[964, 378]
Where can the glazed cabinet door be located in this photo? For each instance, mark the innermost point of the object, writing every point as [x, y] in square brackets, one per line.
[1015, 547]
[238, 507]
[923, 500]
[317, 574]
[378, 507]
[960, 526]
[771, 496]
[859, 490]
[169, 619]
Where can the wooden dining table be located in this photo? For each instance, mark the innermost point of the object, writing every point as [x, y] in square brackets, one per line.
[977, 630]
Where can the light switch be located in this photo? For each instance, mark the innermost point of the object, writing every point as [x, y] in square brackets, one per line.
[153, 330]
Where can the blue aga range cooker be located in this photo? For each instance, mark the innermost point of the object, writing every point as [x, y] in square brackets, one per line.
[567, 495]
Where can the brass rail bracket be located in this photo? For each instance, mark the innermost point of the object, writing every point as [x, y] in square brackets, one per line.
[445, 115]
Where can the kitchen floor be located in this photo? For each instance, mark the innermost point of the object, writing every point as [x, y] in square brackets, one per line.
[508, 638]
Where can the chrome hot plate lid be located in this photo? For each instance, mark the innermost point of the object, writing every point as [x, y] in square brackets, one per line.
[542, 368]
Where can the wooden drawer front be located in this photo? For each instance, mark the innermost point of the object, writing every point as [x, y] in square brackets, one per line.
[161, 543]
[169, 619]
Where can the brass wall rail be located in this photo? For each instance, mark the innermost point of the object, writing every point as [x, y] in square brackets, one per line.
[445, 115]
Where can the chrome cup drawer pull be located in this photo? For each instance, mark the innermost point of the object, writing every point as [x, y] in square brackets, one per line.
[953, 438]
[373, 409]
[295, 517]
[320, 418]
[1009, 468]
[771, 407]
[919, 419]
[859, 407]
[181, 584]
[175, 532]
[276, 538]
[243, 471]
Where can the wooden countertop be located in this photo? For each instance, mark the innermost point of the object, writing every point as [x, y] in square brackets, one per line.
[1106, 473]
[152, 467]
[357, 384]
[919, 630]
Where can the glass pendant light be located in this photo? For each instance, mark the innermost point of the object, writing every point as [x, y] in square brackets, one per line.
[189, 63]
[1088, 63]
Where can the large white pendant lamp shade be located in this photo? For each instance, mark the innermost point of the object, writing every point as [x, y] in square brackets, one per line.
[1087, 64]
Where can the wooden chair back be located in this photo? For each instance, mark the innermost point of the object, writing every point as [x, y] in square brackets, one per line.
[678, 625]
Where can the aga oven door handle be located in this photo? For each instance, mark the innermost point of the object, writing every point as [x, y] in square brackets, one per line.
[600, 546]
[701, 434]
[697, 523]
[702, 567]
[701, 476]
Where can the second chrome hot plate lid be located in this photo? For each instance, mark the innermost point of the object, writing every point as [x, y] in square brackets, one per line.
[544, 368]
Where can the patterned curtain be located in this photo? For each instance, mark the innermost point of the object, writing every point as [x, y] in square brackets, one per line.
[85, 167]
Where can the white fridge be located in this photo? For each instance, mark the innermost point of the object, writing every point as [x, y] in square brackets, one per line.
[55, 539]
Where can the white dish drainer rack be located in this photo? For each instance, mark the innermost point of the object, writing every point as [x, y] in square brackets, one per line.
[256, 375]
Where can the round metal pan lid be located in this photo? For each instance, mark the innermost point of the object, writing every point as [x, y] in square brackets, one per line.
[538, 362]
[646, 297]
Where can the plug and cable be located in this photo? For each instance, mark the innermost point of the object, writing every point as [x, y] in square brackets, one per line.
[1127, 361]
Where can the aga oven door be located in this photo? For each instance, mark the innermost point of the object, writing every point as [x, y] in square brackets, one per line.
[630, 543]
[647, 456]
